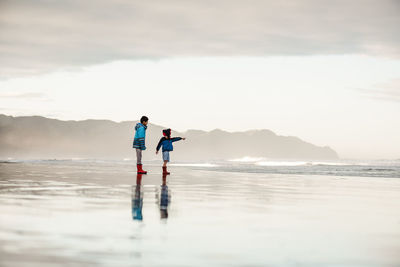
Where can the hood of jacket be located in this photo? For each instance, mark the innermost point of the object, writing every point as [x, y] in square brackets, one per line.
[138, 125]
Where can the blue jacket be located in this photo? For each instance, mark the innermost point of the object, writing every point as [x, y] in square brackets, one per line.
[167, 143]
[140, 136]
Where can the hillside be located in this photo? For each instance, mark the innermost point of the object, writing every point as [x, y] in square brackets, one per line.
[40, 137]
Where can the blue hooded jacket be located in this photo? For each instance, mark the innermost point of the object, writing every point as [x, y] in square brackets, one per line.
[140, 135]
[167, 143]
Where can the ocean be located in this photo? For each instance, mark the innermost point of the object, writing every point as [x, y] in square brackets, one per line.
[351, 168]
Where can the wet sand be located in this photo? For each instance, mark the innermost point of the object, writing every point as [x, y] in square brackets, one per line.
[57, 214]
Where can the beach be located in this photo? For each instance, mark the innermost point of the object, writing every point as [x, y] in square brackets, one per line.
[67, 213]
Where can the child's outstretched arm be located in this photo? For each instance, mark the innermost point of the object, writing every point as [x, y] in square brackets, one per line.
[174, 139]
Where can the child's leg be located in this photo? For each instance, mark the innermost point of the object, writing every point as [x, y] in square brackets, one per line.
[139, 156]
[165, 172]
[165, 159]
[139, 162]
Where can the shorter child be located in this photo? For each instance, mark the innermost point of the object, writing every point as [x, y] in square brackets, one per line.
[166, 143]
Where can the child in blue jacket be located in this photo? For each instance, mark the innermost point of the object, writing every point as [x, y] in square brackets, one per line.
[139, 142]
[166, 143]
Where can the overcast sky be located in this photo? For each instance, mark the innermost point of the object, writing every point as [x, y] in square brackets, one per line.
[327, 72]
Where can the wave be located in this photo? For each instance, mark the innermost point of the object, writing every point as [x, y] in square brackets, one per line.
[65, 160]
[205, 165]
[378, 170]
[261, 161]
[247, 159]
[281, 163]
[303, 163]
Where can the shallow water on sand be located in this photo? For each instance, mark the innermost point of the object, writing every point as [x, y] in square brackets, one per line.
[105, 215]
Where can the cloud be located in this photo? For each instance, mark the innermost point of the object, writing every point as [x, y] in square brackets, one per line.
[389, 91]
[43, 35]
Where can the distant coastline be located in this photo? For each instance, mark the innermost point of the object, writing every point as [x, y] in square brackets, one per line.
[41, 137]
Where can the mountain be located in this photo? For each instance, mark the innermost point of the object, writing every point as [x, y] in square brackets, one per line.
[40, 137]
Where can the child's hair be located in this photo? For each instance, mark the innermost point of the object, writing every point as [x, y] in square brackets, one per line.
[143, 119]
[167, 132]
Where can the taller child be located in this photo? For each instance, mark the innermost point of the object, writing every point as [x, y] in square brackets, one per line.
[139, 142]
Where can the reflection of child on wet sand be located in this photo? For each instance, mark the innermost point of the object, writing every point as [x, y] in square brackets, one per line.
[164, 198]
[137, 199]
[166, 143]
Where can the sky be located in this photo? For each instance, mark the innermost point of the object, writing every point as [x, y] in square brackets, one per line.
[328, 73]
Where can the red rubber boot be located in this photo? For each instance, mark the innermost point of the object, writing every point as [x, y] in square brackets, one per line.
[165, 170]
[140, 170]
